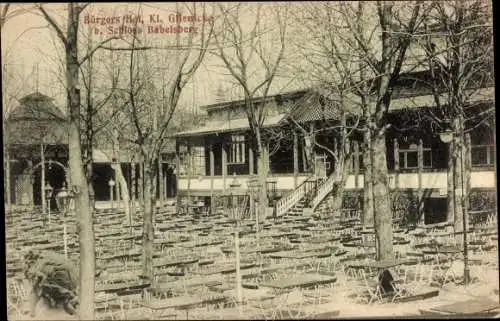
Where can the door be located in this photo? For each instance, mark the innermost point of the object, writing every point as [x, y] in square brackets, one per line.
[321, 165]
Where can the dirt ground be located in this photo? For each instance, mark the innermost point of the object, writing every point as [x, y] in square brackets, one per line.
[449, 293]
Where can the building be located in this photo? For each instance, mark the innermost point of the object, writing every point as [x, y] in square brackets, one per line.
[36, 153]
[210, 156]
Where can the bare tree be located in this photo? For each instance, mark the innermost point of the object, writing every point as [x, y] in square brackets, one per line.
[321, 65]
[372, 66]
[97, 101]
[69, 39]
[150, 97]
[457, 40]
[252, 60]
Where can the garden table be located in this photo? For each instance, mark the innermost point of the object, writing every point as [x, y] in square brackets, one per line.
[169, 262]
[181, 303]
[223, 269]
[483, 307]
[121, 287]
[300, 280]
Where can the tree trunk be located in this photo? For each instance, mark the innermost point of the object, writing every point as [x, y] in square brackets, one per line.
[263, 170]
[450, 191]
[90, 185]
[381, 200]
[368, 217]
[458, 156]
[148, 233]
[77, 174]
[341, 172]
[122, 182]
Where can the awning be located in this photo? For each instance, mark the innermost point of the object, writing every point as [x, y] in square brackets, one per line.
[220, 126]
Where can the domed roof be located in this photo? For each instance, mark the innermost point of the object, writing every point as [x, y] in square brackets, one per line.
[35, 106]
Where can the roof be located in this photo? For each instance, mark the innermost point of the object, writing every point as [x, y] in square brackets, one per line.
[240, 102]
[228, 126]
[35, 106]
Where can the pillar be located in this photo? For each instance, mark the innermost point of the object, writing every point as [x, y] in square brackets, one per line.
[420, 190]
[295, 159]
[177, 175]
[141, 183]
[132, 185]
[7, 176]
[396, 164]
[467, 172]
[312, 154]
[450, 216]
[356, 164]
[29, 178]
[251, 159]
[224, 166]
[189, 173]
[161, 187]
[42, 183]
[212, 174]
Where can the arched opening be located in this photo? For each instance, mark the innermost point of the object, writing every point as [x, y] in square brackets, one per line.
[55, 175]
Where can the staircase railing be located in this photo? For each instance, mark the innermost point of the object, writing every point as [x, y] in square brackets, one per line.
[294, 196]
[323, 190]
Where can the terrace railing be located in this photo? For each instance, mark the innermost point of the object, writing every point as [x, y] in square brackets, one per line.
[323, 190]
[294, 196]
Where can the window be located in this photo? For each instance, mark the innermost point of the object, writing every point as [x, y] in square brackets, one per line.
[483, 155]
[408, 158]
[360, 161]
[236, 153]
[198, 157]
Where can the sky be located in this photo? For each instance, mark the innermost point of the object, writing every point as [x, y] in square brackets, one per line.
[32, 53]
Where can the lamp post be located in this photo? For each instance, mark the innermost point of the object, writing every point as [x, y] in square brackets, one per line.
[48, 196]
[111, 185]
[446, 137]
[64, 198]
[234, 210]
[253, 187]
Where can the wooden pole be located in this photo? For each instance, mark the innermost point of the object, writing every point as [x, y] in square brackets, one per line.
[311, 151]
[7, 176]
[396, 164]
[239, 292]
[224, 166]
[295, 159]
[251, 165]
[190, 172]
[42, 183]
[356, 164]
[177, 177]
[450, 214]
[212, 174]
[65, 239]
[141, 183]
[133, 185]
[160, 180]
[420, 190]
[467, 171]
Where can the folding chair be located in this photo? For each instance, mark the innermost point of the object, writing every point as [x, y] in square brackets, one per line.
[372, 288]
[399, 285]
